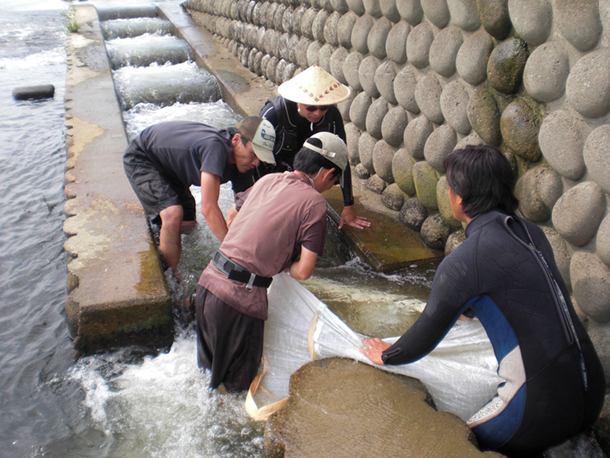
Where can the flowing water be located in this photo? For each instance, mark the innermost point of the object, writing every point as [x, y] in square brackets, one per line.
[125, 403]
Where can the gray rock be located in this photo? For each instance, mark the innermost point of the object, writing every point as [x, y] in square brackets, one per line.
[471, 140]
[603, 241]
[402, 171]
[357, 6]
[351, 66]
[300, 53]
[444, 205]
[352, 134]
[372, 7]
[415, 136]
[519, 125]
[464, 14]
[331, 29]
[384, 80]
[392, 197]
[393, 126]
[337, 59]
[344, 29]
[438, 146]
[278, 17]
[588, 85]
[326, 52]
[366, 144]
[340, 6]
[270, 69]
[307, 22]
[454, 240]
[579, 22]
[425, 179]
[591, 285]
[390, 10]
[362, 172]
[418, 45]
[313, 53]
[472, 57]
[360, 33]
[561, 140]
[376, 184]
[318, 26]
[413, 214]
[404, 89]
[428, 96]
[537, 190]
[297, 17]
[269, 18]
[444, 49]
[345, 106]
[383, 154]
[366, 74]
[560, 253]
[505, 65]
[532, 20]
[484, 115]
[395, 46]
[437, 12]
[597, 156]
[578, 212]
[374, 118]
[454, 105]
[495, 18]
[435, 232]
[410, 10]
[378, 35]
[359, 109]
[546, 72]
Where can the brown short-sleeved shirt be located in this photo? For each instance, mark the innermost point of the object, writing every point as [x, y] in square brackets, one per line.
[281, 214]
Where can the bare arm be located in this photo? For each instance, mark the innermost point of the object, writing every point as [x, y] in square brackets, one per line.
[303, 268]
[210, 191]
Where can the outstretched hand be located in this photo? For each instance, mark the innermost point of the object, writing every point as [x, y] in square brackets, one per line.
[348, 216]
[373, 348]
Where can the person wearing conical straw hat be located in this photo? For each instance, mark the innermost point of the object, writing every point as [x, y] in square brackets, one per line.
[306, 106]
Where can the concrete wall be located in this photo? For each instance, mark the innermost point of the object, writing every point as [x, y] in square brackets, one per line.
[431, 75]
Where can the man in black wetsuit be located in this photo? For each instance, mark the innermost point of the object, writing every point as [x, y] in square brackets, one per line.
[306, 106]
[505, 272]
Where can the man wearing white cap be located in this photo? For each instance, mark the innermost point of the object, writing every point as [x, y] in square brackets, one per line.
[270, 234]
[305, 107]
[167, 158]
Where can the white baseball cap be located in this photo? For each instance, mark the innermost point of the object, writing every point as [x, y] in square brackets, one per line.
[261, 134]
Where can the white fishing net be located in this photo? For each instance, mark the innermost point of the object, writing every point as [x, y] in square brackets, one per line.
[460, 373]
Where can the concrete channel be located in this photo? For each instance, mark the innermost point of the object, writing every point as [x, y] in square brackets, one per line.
[118, 293]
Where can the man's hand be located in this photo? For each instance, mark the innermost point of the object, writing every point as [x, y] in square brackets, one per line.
[348, 216]
[372, 349]
[210, 191]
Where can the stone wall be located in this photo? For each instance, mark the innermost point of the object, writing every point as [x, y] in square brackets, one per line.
[432, 75]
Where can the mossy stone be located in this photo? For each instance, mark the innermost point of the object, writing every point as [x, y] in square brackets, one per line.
[519, 125]
[425, 178]
[402, 171]
[505, 65]
[484, 115]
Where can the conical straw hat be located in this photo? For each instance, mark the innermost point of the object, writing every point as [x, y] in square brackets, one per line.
[314, 86]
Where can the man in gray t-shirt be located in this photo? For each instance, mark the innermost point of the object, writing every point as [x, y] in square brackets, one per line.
[167, 158]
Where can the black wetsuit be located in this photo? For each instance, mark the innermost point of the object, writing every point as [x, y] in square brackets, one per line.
[554, 380]
[291, 131]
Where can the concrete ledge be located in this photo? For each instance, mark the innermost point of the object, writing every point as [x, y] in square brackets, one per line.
[118, 294]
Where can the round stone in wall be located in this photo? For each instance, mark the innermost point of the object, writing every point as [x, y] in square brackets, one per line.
[402, 171]
[519, 125]
[351, 65]
[410, 10]
[471, 140]
[297, 17]
[359, 109]
[270, 15]
[425, 179]
[578, 212]
[352, 134]
[418, 45]
[366, 74]
[278, 17]
[374, 118]
[360, 33]
[340, 6]
[361, 172]
[579, 22]
[345, 27]
[376, 184]
[378, 36]
[597, 156]
[382, 161]
[444, 49]
[603, 241]
[392, 197]
[404, 89]
[300, 52]
[438, 146]
[326, 52]
[357, 6]
[428, 95]
[588, 85]
[561, 139]
[472, 57]
[413, 214]
[318, 26]
[591, 285]
[454, 105]
[484, 116]
[454, 240]
[389, 10]
[372, 7]
[313, 53]
[366, 144]
[537, 190]
[331, 28]
[464, 14]
[384, 80]
[560, 252]
[279, 71]
[393, 126]
[345, 106]
[435, 232]
[437, 12]
[307, 22]
[395, 46]
[546, 72]
[532, 20]
[495, 18]
[270, 69]
[415, 136]
[336, 64]
[444, 205]
[505, 65]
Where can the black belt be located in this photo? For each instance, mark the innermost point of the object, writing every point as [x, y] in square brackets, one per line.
[238, 273]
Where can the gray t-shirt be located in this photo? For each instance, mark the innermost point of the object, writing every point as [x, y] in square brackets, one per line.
[181, 150]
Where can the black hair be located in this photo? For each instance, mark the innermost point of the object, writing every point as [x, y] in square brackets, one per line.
[483, 177]
[233, 131]
[309, 161]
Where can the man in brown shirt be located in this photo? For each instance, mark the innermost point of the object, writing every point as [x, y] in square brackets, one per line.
[271, 234]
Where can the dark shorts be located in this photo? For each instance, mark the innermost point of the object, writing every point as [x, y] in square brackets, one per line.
[154, 191]
[229, 343]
